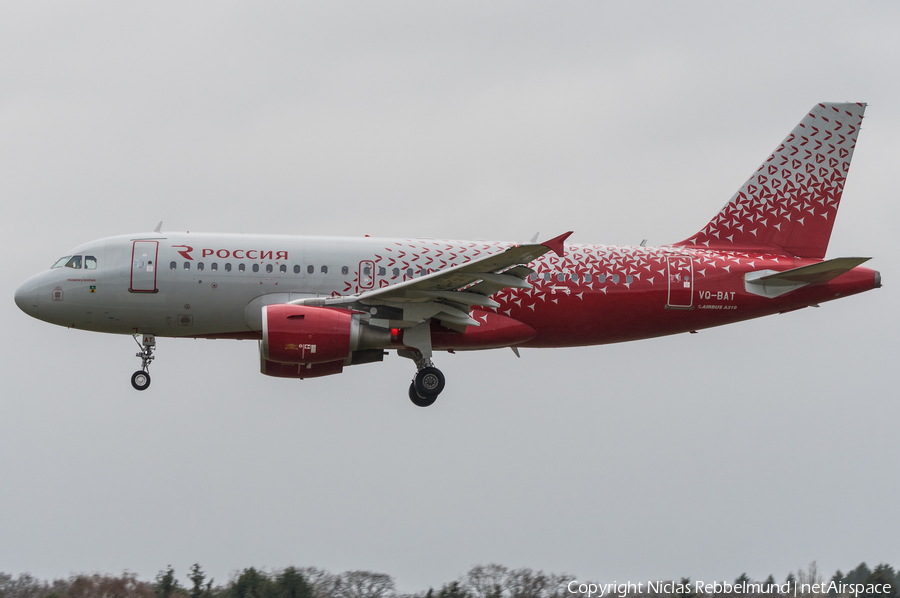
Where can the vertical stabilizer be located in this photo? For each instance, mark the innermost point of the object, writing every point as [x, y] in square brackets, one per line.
[789, 204]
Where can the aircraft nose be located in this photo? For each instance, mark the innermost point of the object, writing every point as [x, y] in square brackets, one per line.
[27, 298]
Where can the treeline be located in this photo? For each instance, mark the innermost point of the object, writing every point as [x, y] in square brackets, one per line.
[482, 581]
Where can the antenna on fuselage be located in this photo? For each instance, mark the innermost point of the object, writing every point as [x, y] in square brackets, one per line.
[535, 237]
[158, 228]
[644, 243]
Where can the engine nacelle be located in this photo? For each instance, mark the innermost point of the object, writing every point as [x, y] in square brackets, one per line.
[320, 339]
[302, 334]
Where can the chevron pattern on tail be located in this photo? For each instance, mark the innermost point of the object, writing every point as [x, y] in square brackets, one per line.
[790, 203]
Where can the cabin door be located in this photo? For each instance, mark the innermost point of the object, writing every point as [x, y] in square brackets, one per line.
[143, 266]
[681, 281]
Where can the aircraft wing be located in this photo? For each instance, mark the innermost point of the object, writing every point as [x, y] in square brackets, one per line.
[448, 294]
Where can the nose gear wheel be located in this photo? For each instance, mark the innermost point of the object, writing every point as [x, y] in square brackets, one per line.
[140, 380]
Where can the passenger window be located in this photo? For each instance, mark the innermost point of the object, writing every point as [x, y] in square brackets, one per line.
[269, 268]
[324, 269]
[256, 267]
[187, 265]
[214, 267]
[242, 267]
[172, 265]
[409, 272]
[228, 267]
[615, 279]
[310, 269]
[61, 262]
[199, 266]
[345, 270]
[532, 277]
[74, 262]
[283, 268]
[629, 279]
[575, 278]
[561, 277]
[381, 271]
[296, 269]
[587, 277]
[367, 271]
[90, 262]
[601, 278]
[396, 272]
[546, 277]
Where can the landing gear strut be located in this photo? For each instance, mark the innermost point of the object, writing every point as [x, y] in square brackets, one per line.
[140, 380]
[428, 382]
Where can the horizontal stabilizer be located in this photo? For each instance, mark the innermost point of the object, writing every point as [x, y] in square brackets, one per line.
[768, 283]
[821, 272]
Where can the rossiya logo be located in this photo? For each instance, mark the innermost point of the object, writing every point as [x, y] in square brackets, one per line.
[238, 254]
[186, 252]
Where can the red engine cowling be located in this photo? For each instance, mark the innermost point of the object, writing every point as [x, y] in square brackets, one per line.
[303, 334]
[301, 370]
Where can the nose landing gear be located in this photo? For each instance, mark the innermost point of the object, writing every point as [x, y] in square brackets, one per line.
[140, 380]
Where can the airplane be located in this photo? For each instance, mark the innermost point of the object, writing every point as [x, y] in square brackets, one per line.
[317, 305]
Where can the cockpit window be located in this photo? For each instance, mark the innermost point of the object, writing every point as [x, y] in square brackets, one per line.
[61, 262]
[90, 262]
[74, 262]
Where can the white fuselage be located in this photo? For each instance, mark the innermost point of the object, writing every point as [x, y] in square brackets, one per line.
[183, 284]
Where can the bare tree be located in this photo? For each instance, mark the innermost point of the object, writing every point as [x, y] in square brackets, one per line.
[810, 576]
[365, 584]
[557, 585]
[324, 584]
[108, 586]
[24, 586]
[483, 581]
[525, 583]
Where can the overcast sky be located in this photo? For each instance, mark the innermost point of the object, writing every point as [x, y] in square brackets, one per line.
[757, 447]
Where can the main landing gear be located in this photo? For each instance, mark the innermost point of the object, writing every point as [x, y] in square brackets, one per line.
[140, 380]
[428, 382]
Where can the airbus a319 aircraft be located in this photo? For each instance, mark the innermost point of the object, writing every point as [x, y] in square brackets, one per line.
[319, 304]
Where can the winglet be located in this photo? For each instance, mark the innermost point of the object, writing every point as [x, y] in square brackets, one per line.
[556, 244]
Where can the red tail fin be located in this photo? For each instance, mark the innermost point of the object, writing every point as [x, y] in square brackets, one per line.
[789, 204]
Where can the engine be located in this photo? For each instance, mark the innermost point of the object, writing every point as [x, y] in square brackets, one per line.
[301, 341]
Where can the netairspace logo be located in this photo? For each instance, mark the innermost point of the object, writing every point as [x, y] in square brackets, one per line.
[622, 590]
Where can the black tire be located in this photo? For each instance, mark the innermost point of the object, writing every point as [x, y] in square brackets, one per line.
[140, 380]
[429, 382]
[420, 401]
